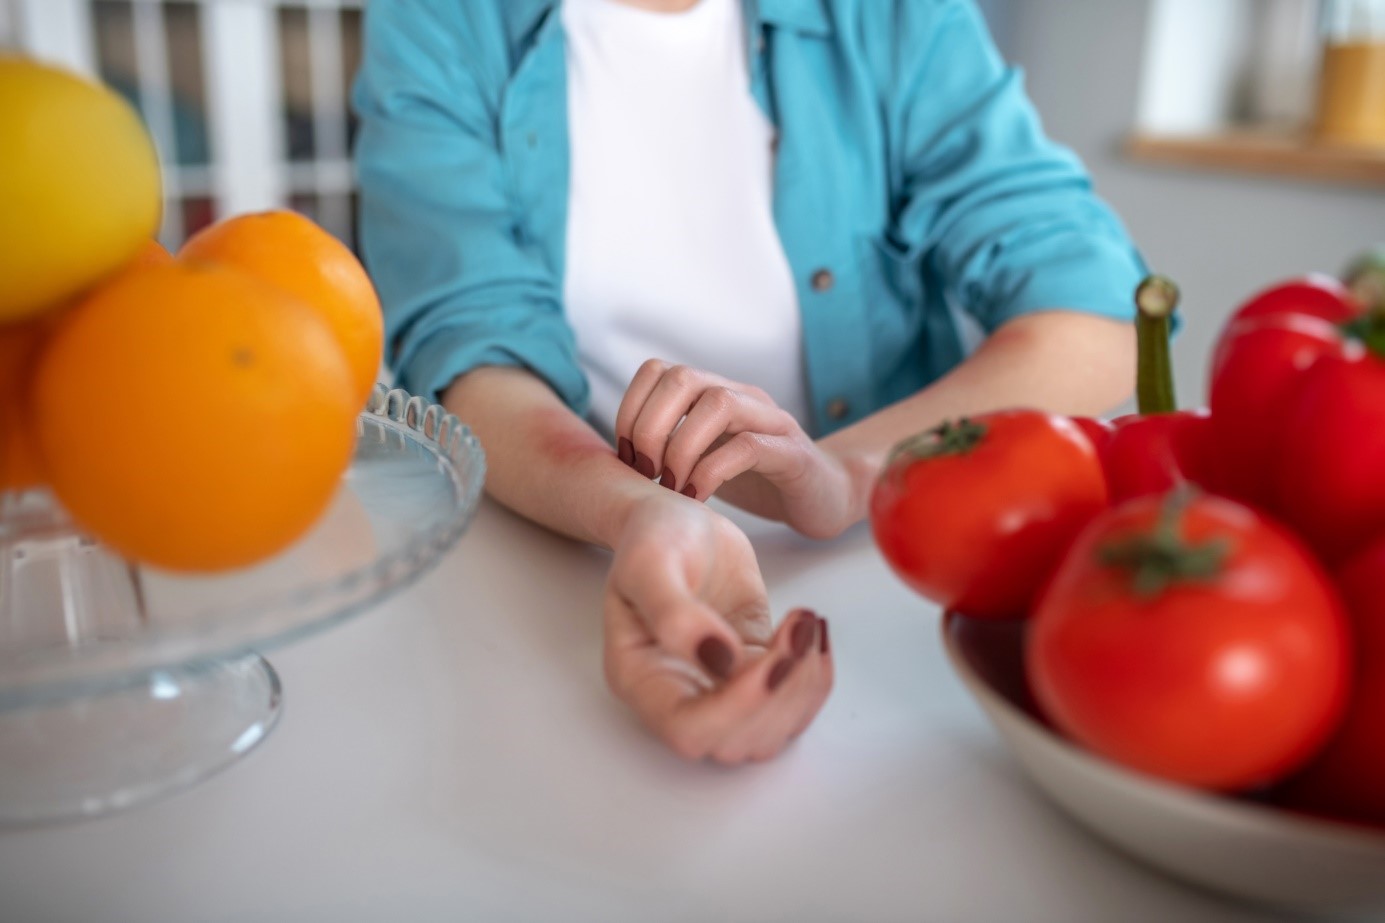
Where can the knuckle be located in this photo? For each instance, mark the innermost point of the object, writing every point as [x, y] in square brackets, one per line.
[652, 367]
[683, 376]
[720, 398]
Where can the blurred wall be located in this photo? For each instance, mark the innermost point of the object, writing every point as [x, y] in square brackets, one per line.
[1221, 236]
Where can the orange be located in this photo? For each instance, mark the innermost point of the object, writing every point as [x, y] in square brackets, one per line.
[193, 417]
[79, 185]
[20, 345]
[289, 251]
[152, 253]
[19, 348]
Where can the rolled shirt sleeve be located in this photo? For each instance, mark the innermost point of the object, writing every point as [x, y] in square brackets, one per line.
[438, 231]
[1008, 217]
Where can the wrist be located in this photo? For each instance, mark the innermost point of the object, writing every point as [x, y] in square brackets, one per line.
[860, 471]
[609, 510]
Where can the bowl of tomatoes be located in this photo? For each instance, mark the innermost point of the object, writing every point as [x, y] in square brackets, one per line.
[1244, 847]
[1176, 621]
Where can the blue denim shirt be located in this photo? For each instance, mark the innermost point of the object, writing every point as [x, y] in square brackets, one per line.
[912, 176]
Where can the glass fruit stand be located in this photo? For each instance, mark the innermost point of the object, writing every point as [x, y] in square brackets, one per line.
[119, 684]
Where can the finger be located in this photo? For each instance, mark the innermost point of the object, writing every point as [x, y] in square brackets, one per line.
[778, 458]
[828, 667]
[671, 399]
[641, 386]
[797, 692]
[718, 412]
[696, 725]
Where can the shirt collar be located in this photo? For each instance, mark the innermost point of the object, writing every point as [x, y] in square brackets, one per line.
[808, 16]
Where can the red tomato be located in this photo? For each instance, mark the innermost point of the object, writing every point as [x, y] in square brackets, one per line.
[1313, 295]
[1191, 639]
[1348, 779]
[975, 514]
[1255, 371]
[1153, 454]
[1098, 432]
[1330, 460]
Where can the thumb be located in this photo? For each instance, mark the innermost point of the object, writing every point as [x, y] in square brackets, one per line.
[664, 604]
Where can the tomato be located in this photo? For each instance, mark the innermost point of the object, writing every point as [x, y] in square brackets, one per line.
[1255, 371]
[1153, 454]
[1313, 295]
[1348, 779]
[1098, 432]
[1190, 638]
[975, 514]
[1329, 465]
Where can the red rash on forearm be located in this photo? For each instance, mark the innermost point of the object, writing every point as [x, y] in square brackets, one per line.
[555, 437]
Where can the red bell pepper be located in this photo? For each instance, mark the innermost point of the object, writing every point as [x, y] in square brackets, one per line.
[1314, 295]
[1160, 447]
[1257, 367]
[1330, 444]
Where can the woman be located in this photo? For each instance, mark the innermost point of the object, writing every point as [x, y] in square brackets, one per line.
[771, 220]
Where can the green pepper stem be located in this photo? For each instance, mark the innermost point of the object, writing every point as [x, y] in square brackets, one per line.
[1156, 300]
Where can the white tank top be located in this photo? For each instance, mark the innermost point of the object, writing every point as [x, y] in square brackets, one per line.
[672, 252]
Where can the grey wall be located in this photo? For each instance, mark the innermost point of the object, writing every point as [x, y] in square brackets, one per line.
[1220, 236]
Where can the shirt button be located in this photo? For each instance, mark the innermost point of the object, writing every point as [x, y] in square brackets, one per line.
[837, 409]
[774, 143]
[823, 280]
[532, 139]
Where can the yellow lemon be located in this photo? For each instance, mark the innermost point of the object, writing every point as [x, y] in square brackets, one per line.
[79, 185]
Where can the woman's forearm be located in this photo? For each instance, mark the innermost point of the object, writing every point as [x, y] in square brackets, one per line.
[543, 461]
[1059, 361]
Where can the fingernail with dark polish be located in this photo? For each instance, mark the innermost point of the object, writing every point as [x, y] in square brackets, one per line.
[826, 647]
[780, 672]
[690, 492]
[626, 451]
[716, 657]
[668, 480]
[803, 634]
[643, 465]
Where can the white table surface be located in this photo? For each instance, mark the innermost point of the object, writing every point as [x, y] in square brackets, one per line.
[454, 755]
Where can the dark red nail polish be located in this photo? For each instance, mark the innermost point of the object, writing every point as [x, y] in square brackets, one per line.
[803, 634]
[825, 646]
[626, 451]
[780, 672]
[690, 492]
[644, 466]
[667, 479]
[716, 656]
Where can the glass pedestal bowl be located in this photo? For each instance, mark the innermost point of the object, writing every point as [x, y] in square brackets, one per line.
[120, 683]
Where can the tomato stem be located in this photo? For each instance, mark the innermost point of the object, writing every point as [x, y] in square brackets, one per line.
[951, 437]
[1162, 558]
[1156, 300]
